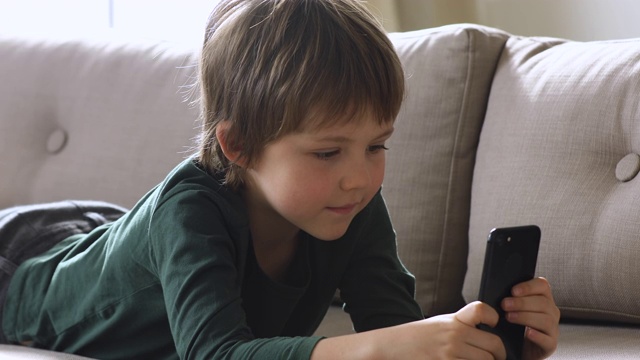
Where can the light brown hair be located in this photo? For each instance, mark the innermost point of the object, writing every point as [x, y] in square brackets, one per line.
[270, 67]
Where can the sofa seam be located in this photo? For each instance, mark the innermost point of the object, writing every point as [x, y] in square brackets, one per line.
[599, 311]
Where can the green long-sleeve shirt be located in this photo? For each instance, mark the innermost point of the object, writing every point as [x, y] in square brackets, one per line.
[176, 277]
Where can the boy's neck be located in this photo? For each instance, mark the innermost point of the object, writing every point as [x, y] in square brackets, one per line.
[275, 260]
[275, 240]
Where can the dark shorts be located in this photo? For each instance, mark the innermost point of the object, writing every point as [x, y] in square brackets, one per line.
[30, 230]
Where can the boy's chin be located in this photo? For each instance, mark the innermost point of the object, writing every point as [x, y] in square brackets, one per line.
[324, 236]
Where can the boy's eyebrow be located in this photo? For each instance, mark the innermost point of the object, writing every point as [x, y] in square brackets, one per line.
[343, 139]
[386, 133]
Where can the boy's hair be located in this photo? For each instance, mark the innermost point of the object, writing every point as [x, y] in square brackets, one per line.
[273, 67]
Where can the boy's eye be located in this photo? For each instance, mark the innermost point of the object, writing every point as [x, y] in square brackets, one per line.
[326, 155]
[376, 148]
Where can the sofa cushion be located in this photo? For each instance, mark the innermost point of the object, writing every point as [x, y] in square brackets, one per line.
[74, 115]
[17, 352]
[554, 151]
[428, 182]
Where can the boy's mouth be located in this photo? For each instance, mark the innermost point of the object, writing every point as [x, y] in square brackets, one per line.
[343, 210]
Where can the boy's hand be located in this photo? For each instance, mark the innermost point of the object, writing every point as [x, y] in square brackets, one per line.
[450, 336]
[472, 315]
[532, 305]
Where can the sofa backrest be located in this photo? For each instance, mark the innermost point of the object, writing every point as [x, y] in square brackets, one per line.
[559, 148]
[430, 165]
[82, 118]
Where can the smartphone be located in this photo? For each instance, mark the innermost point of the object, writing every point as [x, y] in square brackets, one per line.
[510, 258]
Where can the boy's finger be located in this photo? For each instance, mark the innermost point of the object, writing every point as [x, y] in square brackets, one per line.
[537, 286]
[547, 343]
[477, 313]
[487, 342]
[535, 303]
[544, 323]
[532, 306]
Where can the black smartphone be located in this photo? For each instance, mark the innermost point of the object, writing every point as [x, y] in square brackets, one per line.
[510, 258]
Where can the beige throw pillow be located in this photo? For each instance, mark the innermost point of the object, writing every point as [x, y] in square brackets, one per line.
[561, 117]
[428, 182]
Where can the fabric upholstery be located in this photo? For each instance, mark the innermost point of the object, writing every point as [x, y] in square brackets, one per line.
[15, 352]
[449, 72]
[91, 119]
[561, 117]
[597, 342]
[106, 120]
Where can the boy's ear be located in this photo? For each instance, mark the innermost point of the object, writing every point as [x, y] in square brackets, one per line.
[230, 150]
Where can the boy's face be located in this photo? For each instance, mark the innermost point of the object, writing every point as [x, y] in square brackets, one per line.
[317, 180]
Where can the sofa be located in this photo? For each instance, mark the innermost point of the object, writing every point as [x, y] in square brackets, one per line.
[496, 130]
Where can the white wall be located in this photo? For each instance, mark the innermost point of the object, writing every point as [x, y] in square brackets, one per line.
[39, 16]
[171, 20]
[572, 19]
[177, 20]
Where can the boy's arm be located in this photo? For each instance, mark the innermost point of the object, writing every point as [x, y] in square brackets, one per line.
[452, 336]
[196, 260]
[377, 291]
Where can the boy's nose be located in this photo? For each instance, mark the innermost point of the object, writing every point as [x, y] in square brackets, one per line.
[357, 175]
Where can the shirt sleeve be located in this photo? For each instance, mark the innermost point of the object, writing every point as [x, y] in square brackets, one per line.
[378, 291]
[196, 260]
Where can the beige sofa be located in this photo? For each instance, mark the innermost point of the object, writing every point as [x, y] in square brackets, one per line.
[496, 130]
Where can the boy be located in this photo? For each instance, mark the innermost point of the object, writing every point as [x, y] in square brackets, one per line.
[238, 252]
